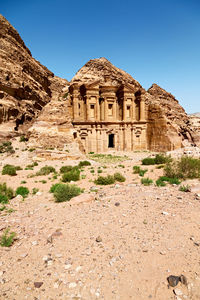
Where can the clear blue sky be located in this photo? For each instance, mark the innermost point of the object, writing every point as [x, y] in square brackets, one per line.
[153, 40]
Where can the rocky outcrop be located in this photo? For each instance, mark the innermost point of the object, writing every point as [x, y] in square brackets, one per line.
[169, 126]
[195, 125]
[101, 69]
[26, 86]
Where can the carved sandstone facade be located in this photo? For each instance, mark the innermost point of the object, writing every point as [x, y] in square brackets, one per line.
[108, 116]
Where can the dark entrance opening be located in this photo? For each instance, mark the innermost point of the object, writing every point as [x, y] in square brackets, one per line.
[111, 141]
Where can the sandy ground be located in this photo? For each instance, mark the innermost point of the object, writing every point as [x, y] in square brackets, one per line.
[123, 245]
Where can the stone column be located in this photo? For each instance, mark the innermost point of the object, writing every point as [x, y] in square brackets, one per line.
[115, 110]
[105, 110]
[87, 108]
[102, 110]
[75, 106]
[124, 109]
[97, 109]
[142, 111]
[133, 110]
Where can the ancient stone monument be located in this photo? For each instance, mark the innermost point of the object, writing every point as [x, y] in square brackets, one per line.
[108, 115]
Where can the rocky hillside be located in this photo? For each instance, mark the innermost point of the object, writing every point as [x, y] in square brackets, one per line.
[26, 86]
[99, 69]
[195, 124]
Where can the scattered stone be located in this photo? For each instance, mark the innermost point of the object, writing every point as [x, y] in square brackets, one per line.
[94, 189]
[72, 285]
[68, 266]
[165, 213]
[34, 243]
[117, 204]
[78, 268]
[173, 280]
[38, 194]
[98, 239]
[82, 198]
[178, 292]
[163, 252]
[183, 280]
[38, 284]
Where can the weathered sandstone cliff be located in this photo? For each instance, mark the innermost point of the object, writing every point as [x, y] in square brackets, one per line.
[26, 86]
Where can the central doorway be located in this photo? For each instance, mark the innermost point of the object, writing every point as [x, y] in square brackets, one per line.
[111, 141]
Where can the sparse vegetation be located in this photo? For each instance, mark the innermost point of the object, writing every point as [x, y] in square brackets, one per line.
[65, 169]
[84, 163]
[105, 180]
[119, 177]
[157, 160]
[107, 158]
[185, 188]
[160, 182]
[23, 191]
[146, 181]
[185, 167]
[64, 192]
[138, 170]
[23, 139]
[6, 147]
[35, 190]
[53, 187]
[7, 239]
[171, 180]
[6, 193]
[10, 170]
[73, 175]
[46, 170]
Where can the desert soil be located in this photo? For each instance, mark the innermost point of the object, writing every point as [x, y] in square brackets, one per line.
[122, 245]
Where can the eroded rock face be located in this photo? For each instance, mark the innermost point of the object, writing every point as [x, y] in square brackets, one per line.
[26, 86]
[195, 124]
[169, 126]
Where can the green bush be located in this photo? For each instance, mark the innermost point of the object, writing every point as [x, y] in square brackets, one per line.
[6, 147]
[54, 186]
[171, 180]
[23, 139]
[46, 171]
[65, 169]
[23, 191]
[185, 188]
[146, 181]
[31, 166]
[105, 180]
[142, 172]
[162, 159]
[9, 170]
[84, 163]
[119, 177]
[159, 159]
[7, 239]
[159, 182]
[6, 193]
[73, 175]
[64, 192]
[99, 171]
[35, 190]
[185, 167]
[138, 170]
[148, 161]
